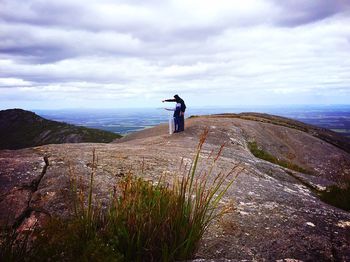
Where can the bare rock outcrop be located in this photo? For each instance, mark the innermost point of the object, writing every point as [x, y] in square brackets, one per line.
[276, 214]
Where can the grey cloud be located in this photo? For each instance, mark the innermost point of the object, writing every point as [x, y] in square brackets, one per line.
[299, 12]
[47, 45]
[140, 21]
[69, 22]
[70, 15]
[45, 13]
[32, 44]
[38, 53]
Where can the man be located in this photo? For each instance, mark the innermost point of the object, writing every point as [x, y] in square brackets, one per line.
[179, 115]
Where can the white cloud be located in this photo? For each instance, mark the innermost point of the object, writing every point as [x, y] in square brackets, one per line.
[13, 82]
[73, 53]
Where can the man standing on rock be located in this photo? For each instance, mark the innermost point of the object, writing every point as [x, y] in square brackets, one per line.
[179, 115]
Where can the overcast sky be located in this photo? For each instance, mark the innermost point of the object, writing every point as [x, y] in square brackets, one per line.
[134, 53]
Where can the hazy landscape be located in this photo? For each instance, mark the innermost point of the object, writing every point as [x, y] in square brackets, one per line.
[124, 121]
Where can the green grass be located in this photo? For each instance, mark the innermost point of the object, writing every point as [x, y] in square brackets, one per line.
[144, 221]
[259, 153]
[337, 195]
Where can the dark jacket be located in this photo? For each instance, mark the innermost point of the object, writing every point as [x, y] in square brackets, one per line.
[178, 100]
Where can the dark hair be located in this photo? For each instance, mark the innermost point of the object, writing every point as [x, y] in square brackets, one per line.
[177, 98]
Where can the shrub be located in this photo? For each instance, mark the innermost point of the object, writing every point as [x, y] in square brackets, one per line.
[165, 222]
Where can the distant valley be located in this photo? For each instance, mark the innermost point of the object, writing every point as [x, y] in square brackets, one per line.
[125, 121]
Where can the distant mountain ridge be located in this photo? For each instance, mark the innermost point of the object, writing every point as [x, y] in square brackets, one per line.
[20, 129]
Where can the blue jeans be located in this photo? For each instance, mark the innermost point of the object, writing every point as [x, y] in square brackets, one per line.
[177, 123]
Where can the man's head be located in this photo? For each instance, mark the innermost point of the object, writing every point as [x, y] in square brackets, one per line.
[177, 98]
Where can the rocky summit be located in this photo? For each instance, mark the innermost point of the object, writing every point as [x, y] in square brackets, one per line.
[275, 213]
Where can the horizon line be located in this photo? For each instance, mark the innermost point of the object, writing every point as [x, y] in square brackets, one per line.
[194, 107]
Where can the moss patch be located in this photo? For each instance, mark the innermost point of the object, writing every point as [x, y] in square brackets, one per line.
[259, 153]
[338, 196]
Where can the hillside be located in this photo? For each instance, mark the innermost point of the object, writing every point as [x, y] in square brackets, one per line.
[21, 129]
[327, 135]
[277, 212]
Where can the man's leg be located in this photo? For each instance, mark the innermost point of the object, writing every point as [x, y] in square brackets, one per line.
[182, 123]
[177, 124]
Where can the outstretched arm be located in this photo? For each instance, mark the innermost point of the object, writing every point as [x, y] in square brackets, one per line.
[168, 100]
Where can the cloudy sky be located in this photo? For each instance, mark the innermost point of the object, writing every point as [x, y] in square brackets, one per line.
[134, 53]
